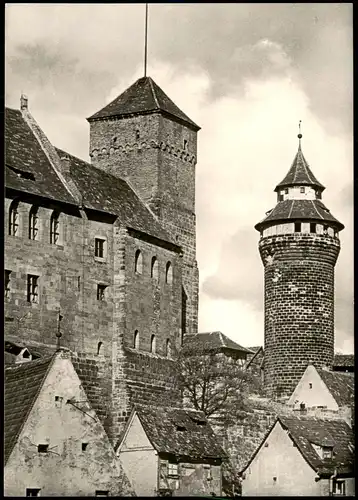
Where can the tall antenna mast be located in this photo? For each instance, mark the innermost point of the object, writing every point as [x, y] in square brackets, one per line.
[146, 40]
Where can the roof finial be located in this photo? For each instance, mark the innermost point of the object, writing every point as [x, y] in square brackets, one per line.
[59, 333]
[299, 134]
[146, 40]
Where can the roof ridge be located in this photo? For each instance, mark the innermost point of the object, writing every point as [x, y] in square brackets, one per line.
[314, 206]
[153, 92]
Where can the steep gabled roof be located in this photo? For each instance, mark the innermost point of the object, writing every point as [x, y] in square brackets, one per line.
[179, 432]
[340, 385]
[308, 431]
[23, 383]
[300, 174]
[27, 166]
[143, 97]
[211, 341]
[291, 210]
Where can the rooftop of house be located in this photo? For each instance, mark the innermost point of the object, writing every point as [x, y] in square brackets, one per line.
[299, 174]
[143, 97]
[179, 432]
[211, 341]
[343, 361]
[307, 432]
[22, 386]
[28, 169]
[340, 385]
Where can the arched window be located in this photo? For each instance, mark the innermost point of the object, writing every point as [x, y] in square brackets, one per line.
[152, 344]
[33, 224]
[54, 228]
[154, 268]
[136, 340]
[138, 263]
[169, 273]
[14, 218]
[99, 347]
[168, 349]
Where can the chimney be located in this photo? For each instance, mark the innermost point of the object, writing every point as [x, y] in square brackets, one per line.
[23, 102]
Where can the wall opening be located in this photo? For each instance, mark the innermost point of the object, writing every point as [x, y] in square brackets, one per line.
[138, 262]
[313, 227]
[297, 227]
[84, 446]
[42, 448]
[33, 492]
[14, 218]
[184, 300]
[136, 340]
[99, 348]
[152, 344]
[169, 273]
[154, 269]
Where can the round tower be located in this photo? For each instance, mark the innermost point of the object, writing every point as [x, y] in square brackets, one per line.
[299, 245]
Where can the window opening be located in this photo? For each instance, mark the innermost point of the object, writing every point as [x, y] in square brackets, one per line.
[99, 248]
[286, 190]
[101, 292]
[33, 224]
[42, 448]
[152, 344]
[310, 385]
[54, 228]
[327, 452]
[32, 288]
[339, 487]
[169, 273]
[312, 227]
[101, 493]
[168, 350]
[136, 340]
[173, 469]
[33, 492]
[84, 446]
[297, 227]
[99, 347]
[302, 189]
[138, 266]
[137, 134]
[280, 197]
[183, 313]
[14, 219]
[185, 144]
[79, 282]
[7, 284]
[154, 268]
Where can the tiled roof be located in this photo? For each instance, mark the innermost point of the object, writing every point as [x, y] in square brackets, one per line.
[143, 97]
[343, 361]
[107, 193]
[256, 357]
[196, 439]
[340, 385]
[306, 431]
[22, 385]
[27, 166]
[299, 174]
[290, 210]
[15, 343]
[211, 341]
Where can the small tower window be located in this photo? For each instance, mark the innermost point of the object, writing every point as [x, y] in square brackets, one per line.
[185, 144]
[280, 197]
[297, 227]
[54, 228]
[136, 340]
[302, 189]
[7, 284]
[32, 288]
[154, 268]
[138, 263]
[101, 289]
[169, 273]
[99, 347]
[152, 344]
[312, 227]
[42, 448]
[99, 248]
[84, 446]
[33, 224]
[137, 134]
[325, 230]
[14, 218]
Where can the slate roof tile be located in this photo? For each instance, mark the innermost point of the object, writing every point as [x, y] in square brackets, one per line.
[299, 174]
[144, 96]
[197, 440]
[340, 385]
[306, 431]
[343, 361]
[27, 166]
[211, 341]
[22, 385]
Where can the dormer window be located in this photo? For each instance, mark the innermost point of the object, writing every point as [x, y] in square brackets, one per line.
[327, 452]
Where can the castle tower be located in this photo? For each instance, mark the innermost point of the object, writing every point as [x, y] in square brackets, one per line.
[299, 245]
[144, 138]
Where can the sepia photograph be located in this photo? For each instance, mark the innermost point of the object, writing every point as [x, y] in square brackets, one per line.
[178, 250]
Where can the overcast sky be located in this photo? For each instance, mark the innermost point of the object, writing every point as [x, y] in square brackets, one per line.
[246, 73]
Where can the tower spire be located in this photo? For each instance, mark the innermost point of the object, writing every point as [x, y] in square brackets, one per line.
[146, 40]
[299, 134]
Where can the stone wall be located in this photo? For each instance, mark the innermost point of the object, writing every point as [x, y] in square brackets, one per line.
[299, 306]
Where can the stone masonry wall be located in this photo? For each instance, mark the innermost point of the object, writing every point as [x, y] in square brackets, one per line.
[299, 306]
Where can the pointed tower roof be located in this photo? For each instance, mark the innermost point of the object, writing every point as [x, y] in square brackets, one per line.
[300, 173]
[143, 97]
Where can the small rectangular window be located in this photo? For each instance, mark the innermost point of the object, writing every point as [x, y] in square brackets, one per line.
[286, 190]
[312, 227]
[297, 227]
[42, 448]
[339, 487]
[32, 288]
[101, 493]
[302, 189]
[327, 452]
[280, 197]
[99, 248]
[54, 230]
[84, 446]
[173, 469]
[33, 225]
[33, 492]
[101, 292]
[7, 284]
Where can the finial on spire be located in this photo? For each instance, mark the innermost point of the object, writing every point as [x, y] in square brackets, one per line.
[146, 40]
[299, 130]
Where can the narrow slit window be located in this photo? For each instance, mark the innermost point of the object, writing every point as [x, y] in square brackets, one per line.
[99, 348]
[152, 344]
[137, 134]
[154, 268]
[33, 224]
[136, 340]
[297, 227]
[101, 292]
[185, 144]
[32, 288]
[14, 219]
[169, 273]
[138, 262]
[7, 284]
[54, 228]
[99, 248]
